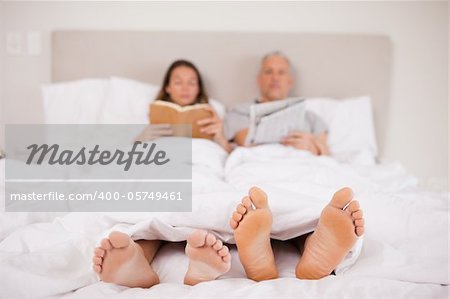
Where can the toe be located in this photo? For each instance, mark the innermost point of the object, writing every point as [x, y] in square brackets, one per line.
[341, 198]
[241, 209]
[357, 215]
[197, 238]
[359, 231]
[105, 244]
[246, 202]
[97, 260]
[226, 258]
[218, 245]
[233, 223]
[210, 239]
[353, 206]
[119, 239]
[359, 222]
[99, 252]
[258, 197]
[237, 217]
[97, 268]
[224, 251]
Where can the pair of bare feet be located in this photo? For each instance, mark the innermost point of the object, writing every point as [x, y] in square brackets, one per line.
[340, 224]
[123, 261]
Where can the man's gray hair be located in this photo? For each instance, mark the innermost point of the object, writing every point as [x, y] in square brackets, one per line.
[276, 53]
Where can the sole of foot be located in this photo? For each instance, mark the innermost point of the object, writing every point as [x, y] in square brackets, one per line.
[252, 224]
[120, 260]
[208, 257]
[340, 224]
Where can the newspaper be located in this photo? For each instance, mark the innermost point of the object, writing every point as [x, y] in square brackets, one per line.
[270, 122]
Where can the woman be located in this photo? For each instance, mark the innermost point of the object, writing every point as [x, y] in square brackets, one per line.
[183, 85]
[121, 260]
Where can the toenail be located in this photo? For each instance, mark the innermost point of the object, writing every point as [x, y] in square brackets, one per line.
[346, 206]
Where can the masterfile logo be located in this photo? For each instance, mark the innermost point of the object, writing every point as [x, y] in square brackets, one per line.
[96, 168]
[54, 155]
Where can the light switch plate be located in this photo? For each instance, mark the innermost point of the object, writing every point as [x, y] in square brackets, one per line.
[14, 43]
[34, 43]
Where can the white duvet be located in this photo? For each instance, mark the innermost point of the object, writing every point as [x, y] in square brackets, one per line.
[404, 253]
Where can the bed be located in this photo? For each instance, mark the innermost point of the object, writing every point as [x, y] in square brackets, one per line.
[405, 249]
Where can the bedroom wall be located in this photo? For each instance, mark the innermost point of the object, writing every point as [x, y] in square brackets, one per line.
[418, 118]
[2, 58]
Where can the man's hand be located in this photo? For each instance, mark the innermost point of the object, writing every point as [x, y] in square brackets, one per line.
[306, 141]
[301, 140]
[240, 137]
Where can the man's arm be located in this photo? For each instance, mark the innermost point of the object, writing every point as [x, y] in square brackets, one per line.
[240, 137]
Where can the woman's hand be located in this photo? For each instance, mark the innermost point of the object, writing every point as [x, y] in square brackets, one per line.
[211, 125]
[214, 126]
[152, 132]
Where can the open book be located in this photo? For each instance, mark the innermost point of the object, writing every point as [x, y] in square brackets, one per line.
[163, 112]
[271, 121]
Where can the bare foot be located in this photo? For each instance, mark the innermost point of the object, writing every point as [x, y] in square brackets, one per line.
[208, 258]
[335, 235]
[252, 228]
[120, 260]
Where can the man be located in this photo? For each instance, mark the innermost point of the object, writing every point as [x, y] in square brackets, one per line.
[341, 222]
[275, 83]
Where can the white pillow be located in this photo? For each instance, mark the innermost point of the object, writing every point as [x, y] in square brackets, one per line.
[74, 102]
[351, 135]
[127, 101]
[218, 107]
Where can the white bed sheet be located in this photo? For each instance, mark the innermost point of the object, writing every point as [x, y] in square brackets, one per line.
[405, 251]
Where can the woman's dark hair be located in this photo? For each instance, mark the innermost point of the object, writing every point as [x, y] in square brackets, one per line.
[202, 97]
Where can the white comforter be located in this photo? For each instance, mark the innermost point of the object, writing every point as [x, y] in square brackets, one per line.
[404, 254]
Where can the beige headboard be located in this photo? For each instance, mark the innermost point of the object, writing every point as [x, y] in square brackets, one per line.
[332, 65]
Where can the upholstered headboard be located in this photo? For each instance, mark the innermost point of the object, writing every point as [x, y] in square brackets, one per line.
[331, 65]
